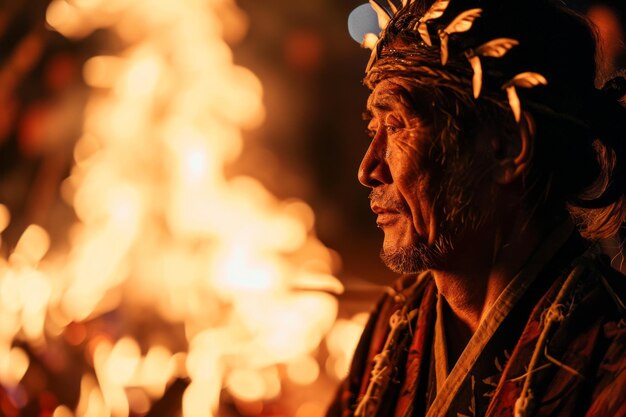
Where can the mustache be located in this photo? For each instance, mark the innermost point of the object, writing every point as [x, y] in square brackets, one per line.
[379, 198]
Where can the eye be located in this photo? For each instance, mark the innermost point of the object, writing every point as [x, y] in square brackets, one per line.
[393, 124]
[391, 129]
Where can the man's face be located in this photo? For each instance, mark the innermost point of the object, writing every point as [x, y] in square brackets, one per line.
[407, 180]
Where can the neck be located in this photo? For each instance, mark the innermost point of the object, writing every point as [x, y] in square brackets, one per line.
[483, 265]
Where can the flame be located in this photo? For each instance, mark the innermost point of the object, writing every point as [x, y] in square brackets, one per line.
[231, 280]
[13, 366]
[303, 370]
[341, 343]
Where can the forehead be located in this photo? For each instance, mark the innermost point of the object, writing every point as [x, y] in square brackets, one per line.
[387, 94]
[396, 94]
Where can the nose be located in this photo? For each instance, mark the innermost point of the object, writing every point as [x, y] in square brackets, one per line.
[374, 170]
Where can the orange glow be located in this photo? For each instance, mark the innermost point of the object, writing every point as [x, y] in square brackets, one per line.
[246, 384]
[200, 399]
[303, 370]
[138, 401]
[311, 409]
[233, 279]
[122, 361]
[62, 411]
[155, 371]
[341, 343]
[5, 217]
[102, 71]
[64, 18]
[33, 245]
[13, 366]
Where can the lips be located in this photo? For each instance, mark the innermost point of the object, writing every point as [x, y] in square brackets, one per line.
[384, 203]
[386, 215]
[383, 210]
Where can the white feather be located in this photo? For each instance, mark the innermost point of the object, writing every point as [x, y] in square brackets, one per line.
[383, 16]
[496, 48]
[436, 10]
[463, 22]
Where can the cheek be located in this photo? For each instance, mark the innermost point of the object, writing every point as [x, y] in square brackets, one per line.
[413, 175]
[417, 190]
[414, 170]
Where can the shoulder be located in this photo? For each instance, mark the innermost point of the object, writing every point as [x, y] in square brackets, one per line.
[609, 382]
[612, 284]
[406, 289]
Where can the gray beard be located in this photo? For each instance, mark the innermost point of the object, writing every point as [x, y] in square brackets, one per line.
[462, 209]
[418, 257]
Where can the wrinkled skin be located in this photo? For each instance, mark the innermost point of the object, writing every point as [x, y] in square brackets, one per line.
[406, 178]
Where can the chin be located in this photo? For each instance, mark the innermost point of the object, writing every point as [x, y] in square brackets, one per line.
[417, 256]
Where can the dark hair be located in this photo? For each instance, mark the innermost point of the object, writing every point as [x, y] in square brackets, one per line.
[579, 155]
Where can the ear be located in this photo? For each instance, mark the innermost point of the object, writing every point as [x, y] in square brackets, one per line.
[512, 155]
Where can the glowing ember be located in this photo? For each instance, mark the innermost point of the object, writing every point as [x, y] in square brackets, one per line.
[211, 279]
[341, 343]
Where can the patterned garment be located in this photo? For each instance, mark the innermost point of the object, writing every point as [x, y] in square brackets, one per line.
[553, 344]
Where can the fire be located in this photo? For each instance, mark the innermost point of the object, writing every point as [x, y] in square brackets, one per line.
[229, 280]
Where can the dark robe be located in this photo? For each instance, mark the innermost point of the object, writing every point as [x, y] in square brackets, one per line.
[553, 344]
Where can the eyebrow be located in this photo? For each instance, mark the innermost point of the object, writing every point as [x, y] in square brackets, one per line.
[383, 103]
[368, 114]
[417, 106]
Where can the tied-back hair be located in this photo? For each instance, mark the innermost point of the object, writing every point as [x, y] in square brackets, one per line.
[578, 164]
[601, 208]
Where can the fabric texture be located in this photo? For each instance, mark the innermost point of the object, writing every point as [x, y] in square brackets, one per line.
[554, 344]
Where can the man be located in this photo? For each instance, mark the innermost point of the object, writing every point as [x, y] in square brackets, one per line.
[494, 166]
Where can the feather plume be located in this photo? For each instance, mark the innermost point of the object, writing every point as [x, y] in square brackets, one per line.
[496, 48]
[422, 28]
[373, 57]
[514, 102]
[393, 7]
[477, 79]
[524, 80]
[369, 41]
[443, 38]
[463, 22]
[435, 11]
[383, 16]
[527, 80]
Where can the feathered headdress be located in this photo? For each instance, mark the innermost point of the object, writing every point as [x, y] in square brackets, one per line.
[435, 31]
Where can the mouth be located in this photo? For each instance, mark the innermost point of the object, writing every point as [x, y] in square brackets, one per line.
[382, 210]
[386, 215]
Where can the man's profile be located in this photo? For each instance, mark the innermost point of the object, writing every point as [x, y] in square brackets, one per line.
[495, 166]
